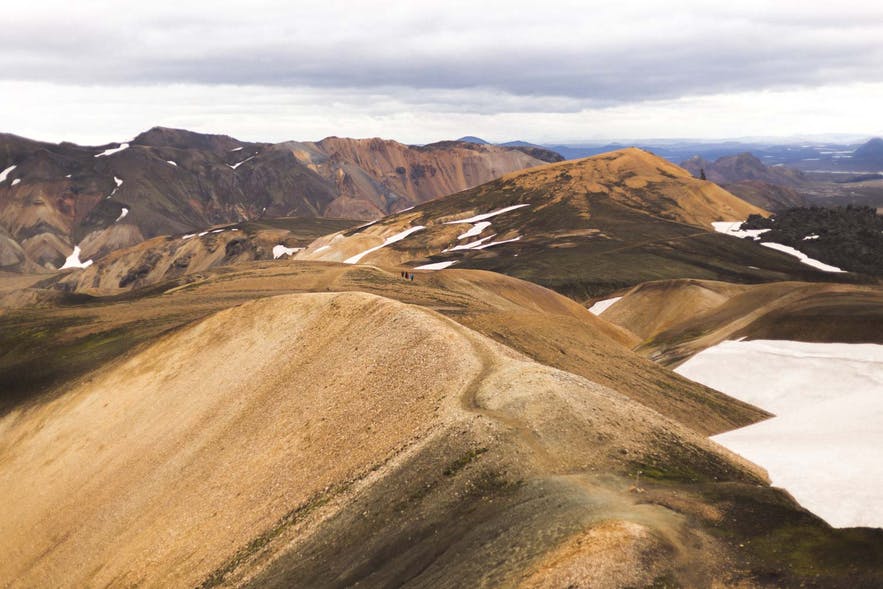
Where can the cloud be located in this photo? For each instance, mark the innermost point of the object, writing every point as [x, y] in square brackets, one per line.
[365, 63]
[628, 52]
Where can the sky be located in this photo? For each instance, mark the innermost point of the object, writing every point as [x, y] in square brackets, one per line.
[96, 71]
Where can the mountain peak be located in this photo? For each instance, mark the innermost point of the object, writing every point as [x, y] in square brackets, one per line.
[473, 139]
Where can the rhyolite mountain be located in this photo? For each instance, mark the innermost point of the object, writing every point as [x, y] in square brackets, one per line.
[168, 181]
[581, 227]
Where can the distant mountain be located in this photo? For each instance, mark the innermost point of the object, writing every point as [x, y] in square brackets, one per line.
[871, 153]
[473, 139]
[173, 181]
[583, 228]
[746, 176]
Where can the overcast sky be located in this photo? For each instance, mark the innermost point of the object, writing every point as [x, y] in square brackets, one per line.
[95, 71]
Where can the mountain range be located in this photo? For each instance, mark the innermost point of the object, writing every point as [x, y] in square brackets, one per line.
[166, 181]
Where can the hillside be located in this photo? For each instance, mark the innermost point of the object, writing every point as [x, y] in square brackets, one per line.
[434, 455]
[170, 181]
[675, 319]
[582, 227]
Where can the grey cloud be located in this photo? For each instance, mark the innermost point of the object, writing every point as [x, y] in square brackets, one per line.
[587, 60]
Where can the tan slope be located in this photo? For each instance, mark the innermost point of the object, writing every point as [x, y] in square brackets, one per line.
[678, 318]
[540, 323]
[242, 445]
[644, 181]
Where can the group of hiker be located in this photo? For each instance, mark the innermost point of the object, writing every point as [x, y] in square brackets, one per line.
[408, 276]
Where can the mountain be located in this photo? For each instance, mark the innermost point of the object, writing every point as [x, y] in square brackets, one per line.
[172, 181]
[306, 424]
[473, 139]
[870, 154]
[582, 227]
[746, 176]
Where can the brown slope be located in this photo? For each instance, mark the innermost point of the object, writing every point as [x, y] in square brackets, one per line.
[537, 322]
[240, 451]
[679, 318]
[390, 176]
[250, 414]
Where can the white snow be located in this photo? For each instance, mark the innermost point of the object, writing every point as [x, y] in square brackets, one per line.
[493, 243]
[202, 233]
[216, 231]
[234, 166]
[189, 235]
[436, 265]
[172, 163]
[397, 237]
[602, 306]
[823, 446]
[124, 212]
[732, 228]
[475, 230]
[484, 216]
[280, 250]
[113, 150]
[16, 181]
[236, 149]
[321, 248]
[73, 260]
[68, 175]
[119, 181]
[471, 245]
[5, 173]
[811, 236]
[801, 256]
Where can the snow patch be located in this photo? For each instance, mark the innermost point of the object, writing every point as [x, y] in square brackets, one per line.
[234, 166]
[493, 243]
[811, 236]
[732, 228]
[436, 265]
[321, 248]
[16, 181]
[113, 150]
[475, 230]
[122, 214]
[189, 235]
[824, 444]
[801, 256]
[484, 216]
[602, 306]
[171, 163]
[389, 240]
[5, 173]
[119, 181]
[280, 250]
[471, 245]
[73, 260]
[236, 149]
